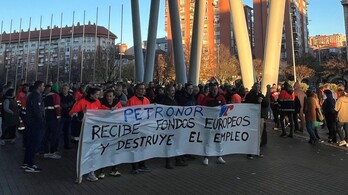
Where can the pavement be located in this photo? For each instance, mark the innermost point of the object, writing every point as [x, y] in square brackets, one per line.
[289, 166]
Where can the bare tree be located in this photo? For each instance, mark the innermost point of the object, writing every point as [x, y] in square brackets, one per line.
[128, 71]
[163, 68]
[302, 72]
[106, 65]
[258, 69]
[335, 67]
[206, 72]
[227, 67]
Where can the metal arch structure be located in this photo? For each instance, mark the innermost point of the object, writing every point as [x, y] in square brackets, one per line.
[272, 46]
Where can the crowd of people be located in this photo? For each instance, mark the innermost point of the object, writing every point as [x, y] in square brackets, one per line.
[292, 106]
[49, 112]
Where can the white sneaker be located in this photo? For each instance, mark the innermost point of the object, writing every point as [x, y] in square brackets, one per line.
[205, 161]
[47, 155]
[55, 156]
[342, 143]
[220, 160]
[91, 177]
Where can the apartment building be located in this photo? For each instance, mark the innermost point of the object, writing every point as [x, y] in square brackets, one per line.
[218, 29]
[295, 29]
[53, 54]
[327, 41]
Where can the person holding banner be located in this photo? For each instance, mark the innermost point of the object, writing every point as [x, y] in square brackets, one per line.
[120, 95]
[170, 100]
[110, 102]
[139, 99]
[90, 101]
[186, 97]
[213, 99]
[254, 96]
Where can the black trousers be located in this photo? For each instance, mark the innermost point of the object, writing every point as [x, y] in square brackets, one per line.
[290, 116]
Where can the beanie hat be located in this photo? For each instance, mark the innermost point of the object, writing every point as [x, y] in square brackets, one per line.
[55, 88]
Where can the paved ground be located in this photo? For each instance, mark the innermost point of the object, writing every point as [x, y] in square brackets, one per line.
[290, 166]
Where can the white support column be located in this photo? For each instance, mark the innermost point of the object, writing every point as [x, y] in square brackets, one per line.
[273, 43]
[243, 42]
[138, 50]
[345, 11]
[179, 59]
[151, 41]
[197, 38]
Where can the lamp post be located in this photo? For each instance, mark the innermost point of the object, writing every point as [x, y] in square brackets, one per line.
[292, 47]
[319, 52]
[8, 66]
[218, 57]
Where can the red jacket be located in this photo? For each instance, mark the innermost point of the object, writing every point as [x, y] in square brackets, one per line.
[213, 101]
[136, 101]
[52, 106]
[286, 101]
[87, 103]
[114, 105]
[200, 98]
[22, 97]
[78, 95]
[235, 98]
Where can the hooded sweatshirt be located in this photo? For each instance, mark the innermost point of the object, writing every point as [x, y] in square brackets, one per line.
[341, 107]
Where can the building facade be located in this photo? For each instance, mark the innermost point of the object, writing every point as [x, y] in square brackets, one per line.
[218, 29]
[217, 33]
[327, 41]
[55, 54]
[161, 44]
[295, 31]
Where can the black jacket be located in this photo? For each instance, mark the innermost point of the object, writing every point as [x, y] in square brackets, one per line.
[66, 103]
[186, 99]
[252, 97]
[35, 108]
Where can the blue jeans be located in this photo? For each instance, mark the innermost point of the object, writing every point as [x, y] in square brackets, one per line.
[311, 130]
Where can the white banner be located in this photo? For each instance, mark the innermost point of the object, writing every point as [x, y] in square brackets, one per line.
[132, 134]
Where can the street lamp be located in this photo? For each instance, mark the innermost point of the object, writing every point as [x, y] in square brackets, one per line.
[319, 53]
[293, 47]
[218, 57]
[7, 66]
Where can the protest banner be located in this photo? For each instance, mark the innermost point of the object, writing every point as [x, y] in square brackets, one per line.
[137, 133]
